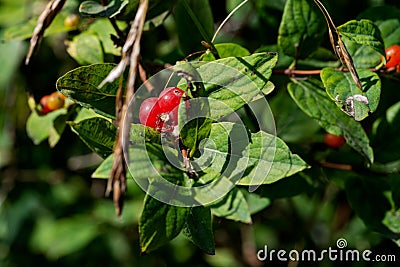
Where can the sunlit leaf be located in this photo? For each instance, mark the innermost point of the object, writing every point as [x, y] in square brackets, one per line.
[86, 49]
[236, 81]
[254, 159]
[311, 98]
[41, 127]
[94, 8]
[363, 32]
[302, 28]
[387, 18]
[354, 102]
[233, 206]
[81, 85]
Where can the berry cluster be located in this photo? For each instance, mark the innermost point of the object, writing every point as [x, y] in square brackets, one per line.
[52, 102]
[393, 57]
[161, 113]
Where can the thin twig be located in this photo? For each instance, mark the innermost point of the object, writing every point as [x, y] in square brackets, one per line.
[337, 166]
[290, 72]
[44, 21]
[130, 56]
[121, 34]
[226, 19]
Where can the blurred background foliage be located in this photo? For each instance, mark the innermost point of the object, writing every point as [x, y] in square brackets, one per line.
[52, 213]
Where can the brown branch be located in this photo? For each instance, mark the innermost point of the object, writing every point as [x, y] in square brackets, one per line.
[130, 56]
[145, 81]
[290, 72]
[337, 166]
[293, 72]
[44, 21]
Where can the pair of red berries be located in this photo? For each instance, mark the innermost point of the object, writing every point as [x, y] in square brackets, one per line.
[52, 102]
[161, 113]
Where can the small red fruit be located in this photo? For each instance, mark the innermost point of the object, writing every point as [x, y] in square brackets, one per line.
[393, 57]
[149, 113]
[333, 141]
[44, 104]
[169, 98]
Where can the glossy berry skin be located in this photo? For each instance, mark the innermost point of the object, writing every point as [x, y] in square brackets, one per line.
[393, 57]
[44, 104]
[169, 98]
[56, 101]
[149, 113]
[333, 141]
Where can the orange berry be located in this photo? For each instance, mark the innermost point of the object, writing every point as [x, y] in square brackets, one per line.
[55, 101]
[71, 21]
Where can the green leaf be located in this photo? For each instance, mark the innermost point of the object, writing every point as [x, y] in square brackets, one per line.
[97, 133]
[292, 186]
[93, 8]
[272, 160]
[311, 98]
[198, 229]
[385, 139]
[302, 28]
[194, 23]
[233, 207]
[156, 168]
[387, 18]
[255, 201]
[140, 134]
[159, 224]
[104, 170]
[395, 186]
[39, 128]
[195, 123]
[236, 81]
[363, 32]
[363, 56]
[392, 221]
[226, 50]
[103, 29]
[58, 238]
[86, 48]
[260, 158]
[24, 30]
[292, 125]
[81, 85]
[372, 215]
[341, 88]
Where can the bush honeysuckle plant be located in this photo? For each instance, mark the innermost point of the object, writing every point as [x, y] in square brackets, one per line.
[214, 149]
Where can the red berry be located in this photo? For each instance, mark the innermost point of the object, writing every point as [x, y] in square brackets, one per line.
[148, 113]
[393, 57]
[333, 141]
[169, 119]
[44, 104]
[169, 98]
